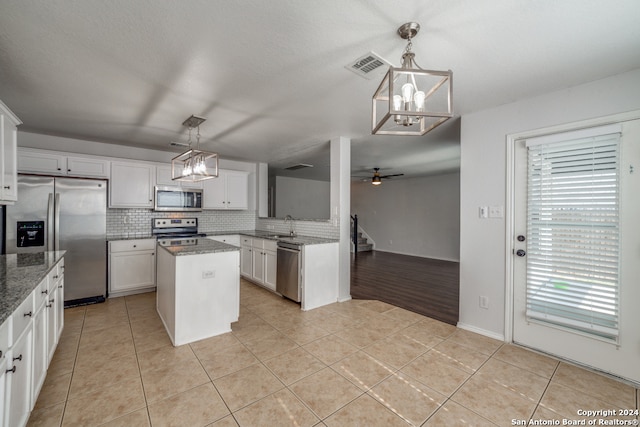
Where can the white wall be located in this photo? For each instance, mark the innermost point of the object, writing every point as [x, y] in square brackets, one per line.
[302, 198]
[417, 216]
[483, 182]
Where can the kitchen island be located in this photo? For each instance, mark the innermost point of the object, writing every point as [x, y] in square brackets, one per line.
[198, 289]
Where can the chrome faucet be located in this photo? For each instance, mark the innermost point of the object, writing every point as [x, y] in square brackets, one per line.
[292, 232]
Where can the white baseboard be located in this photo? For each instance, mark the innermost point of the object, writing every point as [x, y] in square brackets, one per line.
[490, 334]
[416, 255]
[348, 298]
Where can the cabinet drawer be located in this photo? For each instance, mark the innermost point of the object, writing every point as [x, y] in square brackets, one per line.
[22, 316]
[132, 245]
[41, 293]
[246, 241]
[4, 338]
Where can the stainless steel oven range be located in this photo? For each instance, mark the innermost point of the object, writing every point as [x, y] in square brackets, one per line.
[176, 231]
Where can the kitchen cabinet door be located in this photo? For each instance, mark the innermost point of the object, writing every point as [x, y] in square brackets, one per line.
[58, 306]
[131, 185]
[131, 269]
[40, 353]
[229, 191]
[44, 162]
[258, 265]
[215, 193]
[8, 147]
[19, 379]
[237, 190]
[270, 266]
[246, 261]
[86, 166]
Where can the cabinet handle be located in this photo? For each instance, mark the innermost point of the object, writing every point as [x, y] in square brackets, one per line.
[56, 276]
[153, 253]
[52, 300]
[60, 286]
[135, 246]
[7, 187]
[28, 314]
[49, 305]
[59, 169]
[11, 370]
[18, 358]
[45, 292]
[0, 353]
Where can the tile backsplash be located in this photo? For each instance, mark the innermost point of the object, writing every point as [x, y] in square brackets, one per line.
[137, 222]
[126, 223]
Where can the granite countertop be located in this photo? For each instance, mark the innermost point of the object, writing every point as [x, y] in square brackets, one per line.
[20, 274]
[271, 235]
[202, 246]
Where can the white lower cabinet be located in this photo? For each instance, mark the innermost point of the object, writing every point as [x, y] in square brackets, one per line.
[132, 266]
[28, 339]
[41, 340]
[19, 366]
[259, 260]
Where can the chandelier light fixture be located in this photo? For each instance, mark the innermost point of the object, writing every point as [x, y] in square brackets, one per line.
[411, 100]
[194, 164]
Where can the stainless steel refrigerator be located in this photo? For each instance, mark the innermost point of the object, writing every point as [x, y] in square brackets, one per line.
[63, 214]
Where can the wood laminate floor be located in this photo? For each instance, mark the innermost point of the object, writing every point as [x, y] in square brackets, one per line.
[425, 286]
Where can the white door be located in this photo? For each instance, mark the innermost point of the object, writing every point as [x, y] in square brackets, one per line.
[558, 307]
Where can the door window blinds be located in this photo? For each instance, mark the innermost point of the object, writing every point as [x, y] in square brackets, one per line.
[573, 231]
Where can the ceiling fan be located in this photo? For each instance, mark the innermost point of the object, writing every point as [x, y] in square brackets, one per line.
[376, 179]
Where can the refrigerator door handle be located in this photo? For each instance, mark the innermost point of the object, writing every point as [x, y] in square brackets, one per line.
[50, 224]
[57, 223]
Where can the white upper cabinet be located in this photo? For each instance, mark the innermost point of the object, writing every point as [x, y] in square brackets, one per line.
[132, 185]
[229, 191]
[8, 147]
[53, 163]
[163, 177]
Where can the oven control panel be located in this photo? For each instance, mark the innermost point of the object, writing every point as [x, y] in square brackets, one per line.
[175, 223]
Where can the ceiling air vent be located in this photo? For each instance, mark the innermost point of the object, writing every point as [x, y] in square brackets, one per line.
[369, 66]
[178, 144]
[298, 166]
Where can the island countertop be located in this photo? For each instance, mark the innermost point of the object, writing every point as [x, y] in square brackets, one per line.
[202, 245]
[20, 274]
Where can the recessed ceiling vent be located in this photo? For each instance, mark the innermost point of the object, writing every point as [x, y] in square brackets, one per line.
[298, 166]
[178, 144]
[369, 66]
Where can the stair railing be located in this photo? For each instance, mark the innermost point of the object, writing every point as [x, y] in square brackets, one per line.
[354, 234]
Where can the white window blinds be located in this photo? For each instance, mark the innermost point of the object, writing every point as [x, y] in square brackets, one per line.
[572, 231]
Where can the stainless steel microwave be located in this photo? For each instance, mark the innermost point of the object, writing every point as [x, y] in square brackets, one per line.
[177, 199]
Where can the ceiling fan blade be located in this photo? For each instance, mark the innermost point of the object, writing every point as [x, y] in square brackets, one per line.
[389, 176]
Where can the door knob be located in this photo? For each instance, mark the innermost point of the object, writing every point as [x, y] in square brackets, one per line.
[520, 252]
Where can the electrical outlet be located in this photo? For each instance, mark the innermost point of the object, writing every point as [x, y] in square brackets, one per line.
[484, 302]
[208, 274]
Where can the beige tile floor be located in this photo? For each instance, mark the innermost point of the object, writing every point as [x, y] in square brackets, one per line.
[357, 363]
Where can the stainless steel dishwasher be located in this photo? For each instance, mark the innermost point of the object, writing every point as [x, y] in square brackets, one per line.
[288, 278]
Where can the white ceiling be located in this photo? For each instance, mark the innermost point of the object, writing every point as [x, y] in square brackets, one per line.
[269, 75]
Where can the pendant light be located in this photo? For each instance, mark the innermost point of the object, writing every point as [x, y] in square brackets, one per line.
[411, 100]
[194, 164]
